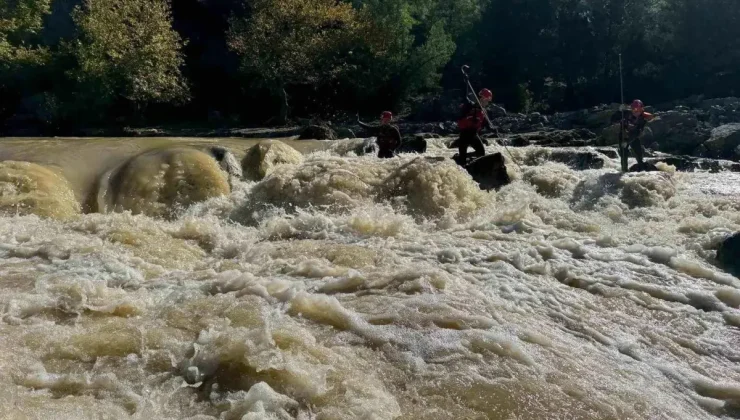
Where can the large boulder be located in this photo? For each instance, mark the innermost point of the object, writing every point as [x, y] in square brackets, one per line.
[262, 158]
[161, 182]
[489, 171]
[677, 132]
[728, 254]
[317, 132]
[724, 141]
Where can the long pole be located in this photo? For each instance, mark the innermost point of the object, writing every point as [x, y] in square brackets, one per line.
[485, 114]
[622, 151]
[621, 79]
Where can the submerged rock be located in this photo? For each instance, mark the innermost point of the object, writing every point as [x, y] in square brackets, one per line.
[645, 167]
[609, 152]
[691, 164]
[227, 161]
[578, 159]
[262, 158]
[30, 188]
[489, 171]
[728, 254]
[160, 182]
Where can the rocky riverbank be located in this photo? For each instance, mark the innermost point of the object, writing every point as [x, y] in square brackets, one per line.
[690, 128]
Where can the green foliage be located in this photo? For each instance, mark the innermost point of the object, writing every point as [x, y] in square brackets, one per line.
[20, 19]
[393, 46]
[345, 55]
[288, 42]
[422, 67]
[20, 23]
[127, 49]
[406, 45]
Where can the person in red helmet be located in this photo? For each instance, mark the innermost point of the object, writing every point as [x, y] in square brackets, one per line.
[387, 135]
[634, 125]
[470, 124]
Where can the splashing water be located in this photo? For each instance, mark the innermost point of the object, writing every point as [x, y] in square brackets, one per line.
[344, 287]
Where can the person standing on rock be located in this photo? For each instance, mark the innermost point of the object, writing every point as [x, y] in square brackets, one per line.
[634, 125]
[387, 135]
[470, 125]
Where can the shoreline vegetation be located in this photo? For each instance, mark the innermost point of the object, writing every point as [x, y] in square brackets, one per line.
[696, 127]
[70, 64]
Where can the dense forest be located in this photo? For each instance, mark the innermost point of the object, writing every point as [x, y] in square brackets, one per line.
[95, 62]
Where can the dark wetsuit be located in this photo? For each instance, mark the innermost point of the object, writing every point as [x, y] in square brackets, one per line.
[388, 138]
[634, 125]
[470, 124]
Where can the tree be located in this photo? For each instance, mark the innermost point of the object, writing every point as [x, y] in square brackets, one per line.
[20, 23]
[285, 43]
[22, 56]
[126, 50]
[702, 46]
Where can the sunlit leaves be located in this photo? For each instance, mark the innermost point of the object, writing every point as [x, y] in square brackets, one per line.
[127, 48]
[295, 41]
[20, 22]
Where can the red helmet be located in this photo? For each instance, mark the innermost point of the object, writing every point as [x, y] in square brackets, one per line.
[637, 104]
[386, 115]
[486, 94]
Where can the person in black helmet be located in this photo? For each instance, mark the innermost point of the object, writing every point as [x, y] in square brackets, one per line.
[388, 137]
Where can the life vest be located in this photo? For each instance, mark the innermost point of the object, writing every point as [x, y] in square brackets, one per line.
[472, 118]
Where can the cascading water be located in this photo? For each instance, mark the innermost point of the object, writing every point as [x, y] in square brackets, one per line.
[344, 287]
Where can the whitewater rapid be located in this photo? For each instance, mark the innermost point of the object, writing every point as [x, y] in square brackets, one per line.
[345, 287]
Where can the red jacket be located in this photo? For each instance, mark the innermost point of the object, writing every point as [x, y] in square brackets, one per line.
[472, 118]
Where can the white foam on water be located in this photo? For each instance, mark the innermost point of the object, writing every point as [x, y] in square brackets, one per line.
[346, 287]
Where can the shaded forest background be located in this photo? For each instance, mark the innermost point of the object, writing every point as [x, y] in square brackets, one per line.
[67, 63]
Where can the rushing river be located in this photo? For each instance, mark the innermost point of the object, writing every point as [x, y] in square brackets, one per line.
[145, 284]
